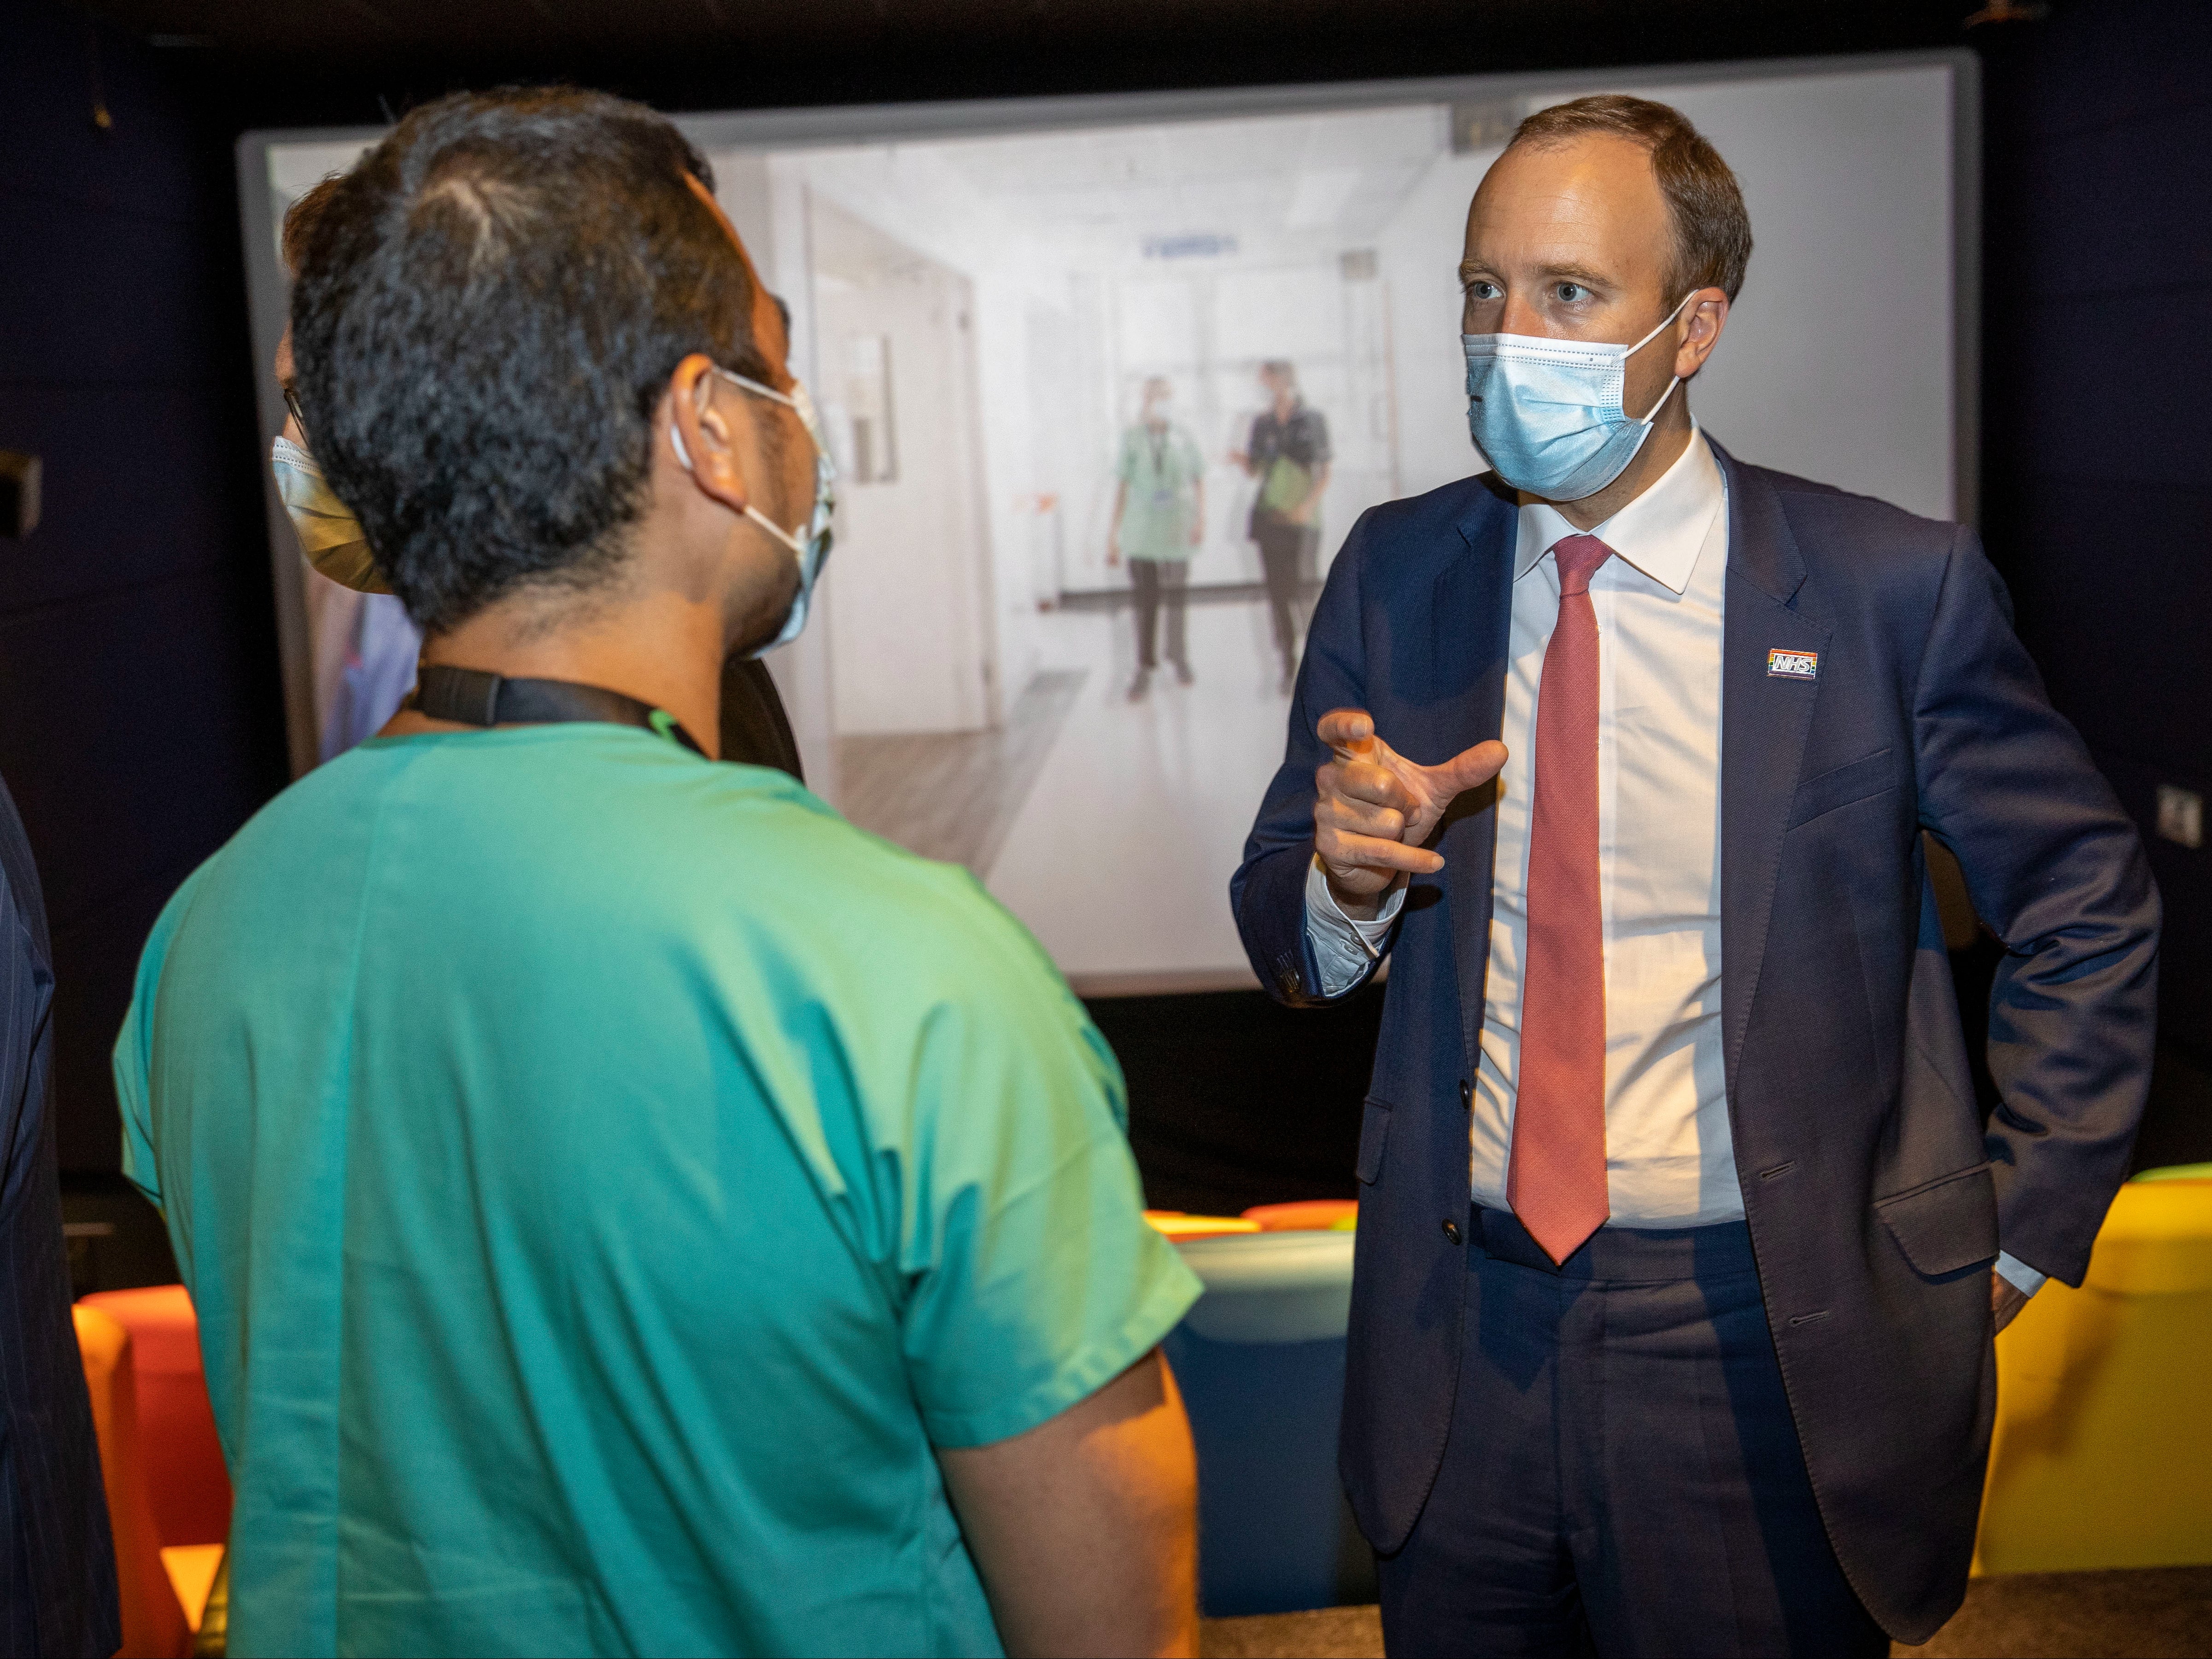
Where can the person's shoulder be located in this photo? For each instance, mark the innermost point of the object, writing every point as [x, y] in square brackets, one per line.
[1829, 521]
[1398, 550]
[1863, 553]
[954, 937]
[869, 892]
[1447, 515]
[294, 845]
[154, 954]
[918, 950]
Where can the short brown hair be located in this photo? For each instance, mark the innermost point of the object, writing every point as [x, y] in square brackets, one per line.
[300, 220]
[1712, 233]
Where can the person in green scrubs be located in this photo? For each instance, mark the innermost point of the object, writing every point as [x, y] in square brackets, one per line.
[629, 1209]
[1159, 523]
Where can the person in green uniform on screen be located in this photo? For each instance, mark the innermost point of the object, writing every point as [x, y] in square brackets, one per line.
[1159, 519]
[629, 1209]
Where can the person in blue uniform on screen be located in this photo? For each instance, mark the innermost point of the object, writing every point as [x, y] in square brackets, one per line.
[1288, 454]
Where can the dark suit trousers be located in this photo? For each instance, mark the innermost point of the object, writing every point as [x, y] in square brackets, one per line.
[1622, 1476]
[1288, 555]
[1153, 580]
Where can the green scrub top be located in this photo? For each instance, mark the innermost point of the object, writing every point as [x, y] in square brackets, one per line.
[1160, 469]
[603, 1175]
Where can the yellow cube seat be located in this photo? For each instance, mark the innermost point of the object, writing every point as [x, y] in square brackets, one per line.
[2101, 1457]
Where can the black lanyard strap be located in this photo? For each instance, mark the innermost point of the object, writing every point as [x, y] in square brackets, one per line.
[470, 696]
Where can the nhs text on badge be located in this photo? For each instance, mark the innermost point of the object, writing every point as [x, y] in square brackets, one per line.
[1794, 664]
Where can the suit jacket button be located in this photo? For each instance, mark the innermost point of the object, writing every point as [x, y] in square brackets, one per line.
[1451, 1230]
[1466, 1096]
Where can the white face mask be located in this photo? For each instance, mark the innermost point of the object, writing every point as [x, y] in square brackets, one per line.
[330, 535]
[1548, 413]
[813, 551]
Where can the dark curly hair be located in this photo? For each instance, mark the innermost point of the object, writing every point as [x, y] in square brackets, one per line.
[488, 309]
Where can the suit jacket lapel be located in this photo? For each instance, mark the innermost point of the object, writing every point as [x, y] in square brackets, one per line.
[1472, 618]
[1765, 720]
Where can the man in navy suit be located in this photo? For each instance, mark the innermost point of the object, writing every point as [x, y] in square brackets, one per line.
[1682, 1242]
[58, 1593]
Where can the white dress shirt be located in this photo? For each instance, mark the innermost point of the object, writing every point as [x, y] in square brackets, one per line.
[1659, 601]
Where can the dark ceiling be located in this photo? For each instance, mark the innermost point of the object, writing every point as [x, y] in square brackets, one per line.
[333, 60]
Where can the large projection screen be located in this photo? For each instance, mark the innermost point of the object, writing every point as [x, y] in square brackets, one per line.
[981, 295]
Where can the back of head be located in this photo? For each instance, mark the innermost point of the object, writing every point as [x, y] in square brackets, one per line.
[1712, 232]
[488, 309]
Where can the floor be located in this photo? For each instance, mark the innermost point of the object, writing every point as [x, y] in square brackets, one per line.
[2081, 1615]
[1328, 1633]
[1110, 825]
[954, 795]
[1120, 858]
[2148, 1615]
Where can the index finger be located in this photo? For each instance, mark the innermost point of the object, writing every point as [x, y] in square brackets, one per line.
[1349, 732]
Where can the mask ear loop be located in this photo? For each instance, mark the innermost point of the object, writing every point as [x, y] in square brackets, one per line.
[698, 412]
[789, 539]
[1661, 403]
[1626, 356]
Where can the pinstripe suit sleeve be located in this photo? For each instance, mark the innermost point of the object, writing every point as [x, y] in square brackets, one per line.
[58, 1593]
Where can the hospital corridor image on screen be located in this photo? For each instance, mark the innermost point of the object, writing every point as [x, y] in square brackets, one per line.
[1106, 393]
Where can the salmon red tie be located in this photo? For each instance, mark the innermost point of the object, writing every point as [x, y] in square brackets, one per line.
[1555, 1180]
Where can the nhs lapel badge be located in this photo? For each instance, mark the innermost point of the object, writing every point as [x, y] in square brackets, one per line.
[1793, 664]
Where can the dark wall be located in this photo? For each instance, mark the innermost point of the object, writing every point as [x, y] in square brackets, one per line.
[2097, 481]
[282, 63]
[1235, 1101]
[139, 719]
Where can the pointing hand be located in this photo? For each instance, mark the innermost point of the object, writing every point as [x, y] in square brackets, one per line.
[1374, 808]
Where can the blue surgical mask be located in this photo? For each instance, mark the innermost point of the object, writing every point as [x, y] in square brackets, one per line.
[330, 535]
[1548, 413]
[811, 549]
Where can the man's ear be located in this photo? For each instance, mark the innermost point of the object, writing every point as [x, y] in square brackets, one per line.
[1698, 331]
[702, 436]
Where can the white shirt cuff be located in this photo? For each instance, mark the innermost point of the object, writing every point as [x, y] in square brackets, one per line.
[1344, 949]
[2017, 1273]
